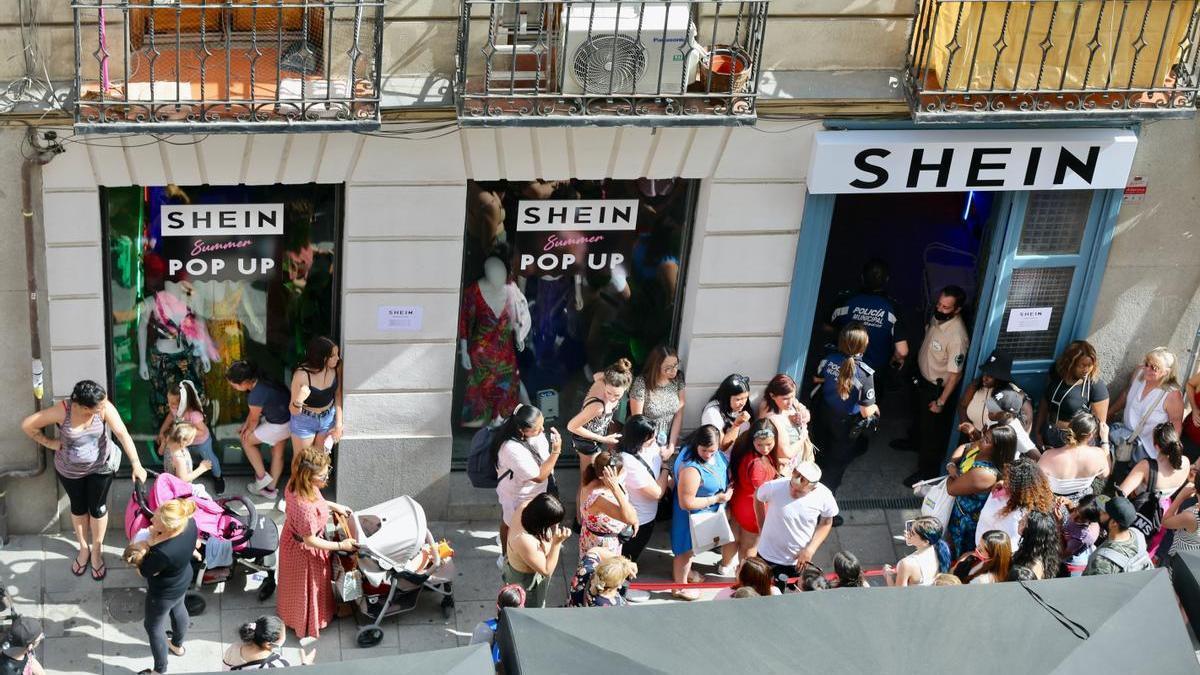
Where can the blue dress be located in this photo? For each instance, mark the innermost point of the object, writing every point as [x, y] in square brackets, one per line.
[714, 478]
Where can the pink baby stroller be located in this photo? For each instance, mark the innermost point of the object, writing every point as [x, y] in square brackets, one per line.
[397, 558]
[254, 539]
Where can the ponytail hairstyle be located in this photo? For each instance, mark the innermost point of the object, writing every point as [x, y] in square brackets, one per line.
[780, 385]
[703, 437]
[619, 374]
[189, 399]
[511, 595]
[637, 430]
[848, 570]
[606, 458]
[182, 434]
[852, 342]
[264, 632]
[523, 417]
[174, 514]
[1166, 439]
[929, 529]
[1081, 427]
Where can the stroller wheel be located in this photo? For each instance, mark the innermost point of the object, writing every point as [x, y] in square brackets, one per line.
[369, 636]
[195, 604]
[267, 589]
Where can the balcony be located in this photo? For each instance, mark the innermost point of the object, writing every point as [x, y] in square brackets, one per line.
[994, 60]
[200, 66]
[609, 62]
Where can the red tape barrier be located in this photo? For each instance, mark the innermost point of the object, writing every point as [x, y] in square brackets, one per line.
[717, 585]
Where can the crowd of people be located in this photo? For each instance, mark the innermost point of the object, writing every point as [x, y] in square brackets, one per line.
[1071, 484]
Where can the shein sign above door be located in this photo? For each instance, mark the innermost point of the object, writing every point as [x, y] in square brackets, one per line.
[988, 159]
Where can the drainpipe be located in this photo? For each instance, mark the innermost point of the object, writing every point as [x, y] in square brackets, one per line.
[42, 154]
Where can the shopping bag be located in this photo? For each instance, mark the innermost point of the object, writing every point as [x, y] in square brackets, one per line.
[936, 500]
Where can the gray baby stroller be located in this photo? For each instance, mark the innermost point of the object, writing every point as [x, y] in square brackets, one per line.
[397, 559]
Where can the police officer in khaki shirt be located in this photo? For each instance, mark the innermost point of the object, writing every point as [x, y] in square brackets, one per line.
[940, 362]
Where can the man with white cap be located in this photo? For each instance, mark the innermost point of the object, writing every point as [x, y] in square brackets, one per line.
[796, 515]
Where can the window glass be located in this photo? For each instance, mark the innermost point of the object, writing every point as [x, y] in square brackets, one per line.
[199, 277]
[560, 279]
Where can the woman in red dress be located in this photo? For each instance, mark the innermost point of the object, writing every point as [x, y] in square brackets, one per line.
[305, 593]
[750, 466]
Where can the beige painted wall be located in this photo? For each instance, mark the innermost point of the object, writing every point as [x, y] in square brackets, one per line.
[1149, 296]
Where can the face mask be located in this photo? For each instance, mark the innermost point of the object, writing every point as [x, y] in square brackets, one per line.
[942, 316]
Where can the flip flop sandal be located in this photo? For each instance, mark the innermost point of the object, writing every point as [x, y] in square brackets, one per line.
[684, 594]
[100, 572]
[181, 650]
[78, 569]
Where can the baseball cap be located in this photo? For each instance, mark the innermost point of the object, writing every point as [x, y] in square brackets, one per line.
[809, 470]
[1005, 400]
[998, 366]
[22, 633]
[1121, 510]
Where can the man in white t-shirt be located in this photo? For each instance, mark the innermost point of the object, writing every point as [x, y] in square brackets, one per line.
[1004, 407]
[798, 516]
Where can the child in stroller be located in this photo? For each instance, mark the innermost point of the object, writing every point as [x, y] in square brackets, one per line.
[397, 558]
[230, 537]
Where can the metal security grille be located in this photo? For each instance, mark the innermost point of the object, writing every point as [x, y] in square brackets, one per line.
[1055, 222]
[227, 65]
[616, 62]
[1053, 59]
[1036, 287]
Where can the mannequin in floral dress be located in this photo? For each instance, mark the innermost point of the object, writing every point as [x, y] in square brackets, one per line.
[492, 326]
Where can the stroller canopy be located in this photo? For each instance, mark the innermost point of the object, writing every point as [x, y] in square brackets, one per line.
[392, 532]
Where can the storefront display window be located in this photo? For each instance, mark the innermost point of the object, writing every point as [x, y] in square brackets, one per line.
[559, 280]
[200, 277]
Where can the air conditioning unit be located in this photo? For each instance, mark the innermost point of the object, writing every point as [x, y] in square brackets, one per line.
[628, 48]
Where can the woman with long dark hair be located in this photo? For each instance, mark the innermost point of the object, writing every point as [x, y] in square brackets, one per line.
[974, 469]
[532, 552]
[1073, 467]
[750, 466]
[848, 571]
[792, 441]
[317, 396]
[752, 573]
[647, 477]
[1041, 545]
[729, 409]
[658, 394]
[702, 484]
[1161, 476]
[524, 459]
[848, 395]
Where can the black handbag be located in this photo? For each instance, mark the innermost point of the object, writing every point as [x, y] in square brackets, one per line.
[1149, 518]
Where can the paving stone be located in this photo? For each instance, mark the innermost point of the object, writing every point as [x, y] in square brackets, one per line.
[870, 543]
[426, 638]
[71, 655]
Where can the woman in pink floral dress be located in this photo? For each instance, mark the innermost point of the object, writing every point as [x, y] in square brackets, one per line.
[305, 593]
[606, 509]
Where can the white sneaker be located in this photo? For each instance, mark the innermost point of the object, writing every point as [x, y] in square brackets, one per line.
[728, 571]
[636, 595]
[259, 486]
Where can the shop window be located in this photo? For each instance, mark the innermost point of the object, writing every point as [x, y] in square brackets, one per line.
[199, 277]
[583, 272]
[1055, 222]
[1036, 287]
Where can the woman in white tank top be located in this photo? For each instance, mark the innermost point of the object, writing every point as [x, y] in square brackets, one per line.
[1153, 395]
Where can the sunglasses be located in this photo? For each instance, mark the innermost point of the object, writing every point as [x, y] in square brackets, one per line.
[1153, 366]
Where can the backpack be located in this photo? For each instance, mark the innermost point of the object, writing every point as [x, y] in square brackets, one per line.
[1149, 519]
[1137, 562]
[481, 463]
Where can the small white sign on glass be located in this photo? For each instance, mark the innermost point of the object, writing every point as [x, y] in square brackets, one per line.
[1029, 319]
[399, 317]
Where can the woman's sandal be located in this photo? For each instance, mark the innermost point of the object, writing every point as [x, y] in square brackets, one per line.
[177, 651]
[98, 573]
[695, 577]
[78, 568]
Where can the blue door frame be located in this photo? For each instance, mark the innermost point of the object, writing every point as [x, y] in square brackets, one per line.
[1002, 260]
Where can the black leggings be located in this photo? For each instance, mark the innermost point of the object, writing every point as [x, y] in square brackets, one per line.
[633, 548]
[157, 612]
[88, 495]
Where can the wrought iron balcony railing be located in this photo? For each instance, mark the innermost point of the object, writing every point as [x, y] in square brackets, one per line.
[609, 62]
[227, 65]
[1053, 59]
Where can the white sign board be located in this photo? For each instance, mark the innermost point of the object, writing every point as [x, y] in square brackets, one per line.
[956, 161]
[1029, 319]
[221, 220]
[399, 317]
[587, 215]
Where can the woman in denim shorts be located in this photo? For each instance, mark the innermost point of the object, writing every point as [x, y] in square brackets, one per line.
[317, 397]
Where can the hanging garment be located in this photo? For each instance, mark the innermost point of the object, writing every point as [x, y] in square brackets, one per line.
[493, 384]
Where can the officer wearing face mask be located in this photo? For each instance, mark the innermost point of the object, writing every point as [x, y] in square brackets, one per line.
[940, 362]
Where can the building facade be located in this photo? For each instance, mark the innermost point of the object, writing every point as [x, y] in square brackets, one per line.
[744, 229]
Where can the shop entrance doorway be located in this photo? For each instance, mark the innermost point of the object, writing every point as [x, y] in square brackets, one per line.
[925, 241]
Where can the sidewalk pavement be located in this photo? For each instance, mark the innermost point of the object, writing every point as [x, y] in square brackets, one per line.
[96, 627]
